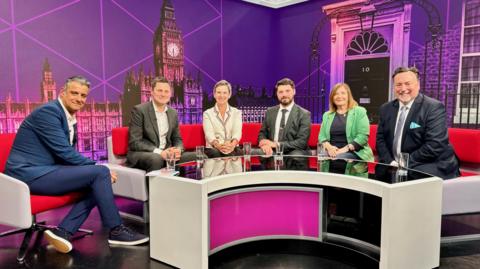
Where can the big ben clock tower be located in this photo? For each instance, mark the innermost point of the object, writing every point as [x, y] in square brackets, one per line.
[168, 46]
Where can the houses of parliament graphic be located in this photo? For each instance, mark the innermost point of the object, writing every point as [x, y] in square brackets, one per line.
[168, 51]
[94, 122]
[96, 119]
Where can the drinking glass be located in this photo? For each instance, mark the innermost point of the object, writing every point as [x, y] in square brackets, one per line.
[200, 152]
[170, 161]
[247, 149]
[279, 150]
[320, 151]
[403, 163]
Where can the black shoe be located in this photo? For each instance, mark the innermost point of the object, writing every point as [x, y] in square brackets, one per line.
[122, 235]
[59, 239]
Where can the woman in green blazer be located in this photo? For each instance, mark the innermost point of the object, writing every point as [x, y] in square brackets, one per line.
[345, 127]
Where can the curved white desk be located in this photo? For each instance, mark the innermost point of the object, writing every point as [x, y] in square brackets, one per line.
[183, 212]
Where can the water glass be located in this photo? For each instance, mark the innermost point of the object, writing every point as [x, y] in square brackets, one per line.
[170, 161]
[278, 162]
[320, 151]
[279, 150]
[403, 163]
[200, 152]
[403, 160]
[247, 149]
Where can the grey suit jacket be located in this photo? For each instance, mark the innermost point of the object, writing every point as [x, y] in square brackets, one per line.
[143, 131]
[297, 128]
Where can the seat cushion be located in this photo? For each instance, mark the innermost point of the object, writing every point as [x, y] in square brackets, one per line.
[120, 141]
[41, 203]
[192, 136]
[313, 139]
[6, 142]
[250, 132]
[372, 138]
[466, 143]
[131, 182]
[460, 195]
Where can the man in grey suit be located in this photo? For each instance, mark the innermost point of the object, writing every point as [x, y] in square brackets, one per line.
[153, 132]
[287, 124]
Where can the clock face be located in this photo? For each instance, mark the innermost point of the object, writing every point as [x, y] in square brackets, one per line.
[173, 50]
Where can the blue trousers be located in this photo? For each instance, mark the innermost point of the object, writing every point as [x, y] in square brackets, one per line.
[94, 181]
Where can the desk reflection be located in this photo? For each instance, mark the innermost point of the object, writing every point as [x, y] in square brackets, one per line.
[347, 167]
[284, 163]
[223, 166]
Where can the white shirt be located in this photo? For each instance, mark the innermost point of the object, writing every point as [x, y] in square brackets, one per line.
[279, 118]
[71, 120]
[162, 124]
[408, 107]
[222, 130]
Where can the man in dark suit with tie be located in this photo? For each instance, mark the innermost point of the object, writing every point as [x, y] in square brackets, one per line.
[414, 123]
[287, 124]
[153, 132]
[43, 155]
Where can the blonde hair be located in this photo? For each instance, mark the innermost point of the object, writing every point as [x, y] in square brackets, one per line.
[351, 102]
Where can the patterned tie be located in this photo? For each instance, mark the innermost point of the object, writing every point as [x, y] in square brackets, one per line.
[398, 130]
[282, 125]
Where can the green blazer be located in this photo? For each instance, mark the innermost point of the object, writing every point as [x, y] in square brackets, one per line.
[357, 129]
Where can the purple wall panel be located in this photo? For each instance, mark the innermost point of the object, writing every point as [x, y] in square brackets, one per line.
[247, 44]
[260, 45]
[297, 24]
[126, 41]
[7, 73]
[73, 32]
[250, 50]
[24, 10]
[5, 13]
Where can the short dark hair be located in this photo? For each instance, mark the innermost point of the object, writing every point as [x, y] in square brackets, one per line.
[159, 80]
[284, 81]
[403, 69]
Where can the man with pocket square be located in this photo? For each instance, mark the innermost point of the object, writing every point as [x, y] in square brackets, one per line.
[414, 123]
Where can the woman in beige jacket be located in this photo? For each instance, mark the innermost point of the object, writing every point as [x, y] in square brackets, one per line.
[222, 124]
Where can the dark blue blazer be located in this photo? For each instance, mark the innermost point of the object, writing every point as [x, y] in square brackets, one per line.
[425, 137]
[42, 144]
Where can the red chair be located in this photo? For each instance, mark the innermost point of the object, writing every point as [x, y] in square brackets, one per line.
[250, 132]
[192, 136]
[19, 207]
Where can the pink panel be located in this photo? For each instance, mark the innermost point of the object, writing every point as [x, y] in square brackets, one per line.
[263, 213]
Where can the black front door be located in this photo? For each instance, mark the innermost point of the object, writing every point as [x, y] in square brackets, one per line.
[368, 79]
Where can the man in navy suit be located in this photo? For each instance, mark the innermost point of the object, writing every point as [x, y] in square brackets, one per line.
[44, 157]
[414, 123]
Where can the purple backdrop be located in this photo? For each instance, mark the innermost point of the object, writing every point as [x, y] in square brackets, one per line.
[247, 44]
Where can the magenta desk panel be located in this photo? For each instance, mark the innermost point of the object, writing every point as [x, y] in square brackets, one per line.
[255, 213]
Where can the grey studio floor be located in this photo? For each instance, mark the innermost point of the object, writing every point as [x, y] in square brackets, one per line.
[94, 252]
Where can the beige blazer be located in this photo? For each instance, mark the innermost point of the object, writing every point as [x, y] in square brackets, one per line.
[222, 130]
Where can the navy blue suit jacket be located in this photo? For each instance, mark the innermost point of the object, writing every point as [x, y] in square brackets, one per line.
[425, 137]
[42, 144]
